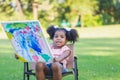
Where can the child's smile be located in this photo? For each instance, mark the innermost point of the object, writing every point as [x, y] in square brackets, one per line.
[58, 42]
[59, 38]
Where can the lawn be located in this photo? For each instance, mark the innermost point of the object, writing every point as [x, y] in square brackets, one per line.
[98, 59]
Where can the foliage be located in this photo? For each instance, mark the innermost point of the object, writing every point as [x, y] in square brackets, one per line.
[109, 9]
[54, 12]
[91, 21]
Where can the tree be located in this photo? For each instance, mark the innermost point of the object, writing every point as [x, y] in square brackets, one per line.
[35, 9]
[106, 9]
[116, 11]
[79, 8]
[110, 11]
[20, 11]
[83, 12]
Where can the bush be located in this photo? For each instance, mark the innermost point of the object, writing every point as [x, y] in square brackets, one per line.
[90, 20]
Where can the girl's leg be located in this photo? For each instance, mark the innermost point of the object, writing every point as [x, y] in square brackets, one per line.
[41, 69]
[57, 71]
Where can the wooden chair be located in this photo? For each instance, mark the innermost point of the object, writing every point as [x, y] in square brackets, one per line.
[29, 67]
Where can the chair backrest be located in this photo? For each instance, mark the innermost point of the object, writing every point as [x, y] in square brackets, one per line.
[70, 60]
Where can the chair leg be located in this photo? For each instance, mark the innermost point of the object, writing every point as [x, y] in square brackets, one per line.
[24, 75]
[28, 77]
[75, 68]
[76, 76]
[26, 70]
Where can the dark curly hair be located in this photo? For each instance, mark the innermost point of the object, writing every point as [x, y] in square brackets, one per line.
[71, 34]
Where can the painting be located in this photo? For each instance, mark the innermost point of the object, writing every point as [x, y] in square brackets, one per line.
[28, 40]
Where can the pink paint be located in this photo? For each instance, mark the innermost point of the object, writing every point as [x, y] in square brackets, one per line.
[27, 28]
[35, 57]
[37, 28]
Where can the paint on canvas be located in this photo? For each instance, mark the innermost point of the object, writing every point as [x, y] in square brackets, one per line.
[28, 41]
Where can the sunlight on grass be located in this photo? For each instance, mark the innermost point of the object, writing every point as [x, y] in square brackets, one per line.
[95, 53]
[7, 51]
[110, 31]
[8, 46]
[98, 59]
[101, 51]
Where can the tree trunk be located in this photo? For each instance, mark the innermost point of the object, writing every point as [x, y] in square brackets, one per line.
[82, 20]
[35, 9]
[20, 12]
[74, 22]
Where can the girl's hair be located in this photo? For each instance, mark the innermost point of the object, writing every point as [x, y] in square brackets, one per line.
[71, 34]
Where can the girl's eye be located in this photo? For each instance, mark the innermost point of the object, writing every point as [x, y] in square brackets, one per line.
[62, 36]
[56, 36]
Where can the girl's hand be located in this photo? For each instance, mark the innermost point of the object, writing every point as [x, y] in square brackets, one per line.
[16, 56]
[62, 57]
[55, 60]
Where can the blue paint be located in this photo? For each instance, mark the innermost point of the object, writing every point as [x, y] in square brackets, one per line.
[12, 30]
[33, 43]
[22, 42]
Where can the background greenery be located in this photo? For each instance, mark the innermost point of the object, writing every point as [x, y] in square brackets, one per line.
[68, 13]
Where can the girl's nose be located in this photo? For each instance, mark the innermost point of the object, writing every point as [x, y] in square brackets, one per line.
[58, 38]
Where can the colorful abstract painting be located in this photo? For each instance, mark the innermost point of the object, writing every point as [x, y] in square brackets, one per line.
[28, 40]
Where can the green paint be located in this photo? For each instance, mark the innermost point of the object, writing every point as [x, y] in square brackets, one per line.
[16, 25]
[46, 57]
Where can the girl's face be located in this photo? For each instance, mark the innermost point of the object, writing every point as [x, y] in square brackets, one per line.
[59, 39]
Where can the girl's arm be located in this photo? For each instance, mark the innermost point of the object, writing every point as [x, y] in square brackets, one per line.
[63, 56]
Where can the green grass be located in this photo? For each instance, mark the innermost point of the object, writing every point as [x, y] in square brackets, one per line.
[10, 68]
[97, 52]
[98, 59]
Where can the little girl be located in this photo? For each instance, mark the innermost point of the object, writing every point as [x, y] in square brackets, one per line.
[61, 52]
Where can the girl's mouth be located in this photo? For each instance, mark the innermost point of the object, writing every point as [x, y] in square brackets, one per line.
[58, 42]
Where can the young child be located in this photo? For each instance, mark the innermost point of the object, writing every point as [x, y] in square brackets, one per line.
[61, 52]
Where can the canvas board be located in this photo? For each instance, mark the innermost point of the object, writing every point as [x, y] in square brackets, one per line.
[28, 40]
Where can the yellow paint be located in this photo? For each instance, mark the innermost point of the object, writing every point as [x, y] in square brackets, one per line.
[21, 59]
[9, 35]
[31, 50]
